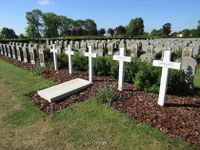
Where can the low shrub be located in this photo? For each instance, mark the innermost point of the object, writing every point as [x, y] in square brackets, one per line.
[176, 54]
[177, 82]
[80, 62]
[148, 78]
[114, 69]
[62, 60]
[102, 66]
[131, 69]
[106, 95]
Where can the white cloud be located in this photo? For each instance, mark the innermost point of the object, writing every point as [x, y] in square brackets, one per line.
[44, 2]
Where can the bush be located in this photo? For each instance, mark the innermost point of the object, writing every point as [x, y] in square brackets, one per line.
[80, 62]
[114, 69]
[62, 60]
[106, 95]
[102, 66]
[131, 69]
[176, 54]
[158, 55]
[178, 82]
[148, 78]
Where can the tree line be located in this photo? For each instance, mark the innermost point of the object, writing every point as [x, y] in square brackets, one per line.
[51, 25]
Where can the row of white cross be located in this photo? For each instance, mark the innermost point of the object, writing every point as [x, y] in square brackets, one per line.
[165, 64]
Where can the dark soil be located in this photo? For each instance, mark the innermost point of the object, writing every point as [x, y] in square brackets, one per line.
[179, 118]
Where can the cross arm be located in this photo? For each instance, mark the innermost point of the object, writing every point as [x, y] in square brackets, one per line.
[122, 58]
[167, 64]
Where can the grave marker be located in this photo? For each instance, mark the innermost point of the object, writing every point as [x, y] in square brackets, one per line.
[54, 51]
[165, 64]
[69, 52]
[8, 49]
[18, 52]
[13, 51]
[187, 52]
[90, 55]
[41, 55]
[121, 58]
[24, 49]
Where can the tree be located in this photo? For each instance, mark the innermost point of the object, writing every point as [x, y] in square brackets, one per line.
[101, 32]
[194, 33]
[7, 33]
[91, 27]
[22, 36]
[198, 29]
[186, 33]
[119, 31]
[65, 24]
[110, 31]
[35, 24]
[166, 29]
[135, 27]
[156, 33]
[51, 24]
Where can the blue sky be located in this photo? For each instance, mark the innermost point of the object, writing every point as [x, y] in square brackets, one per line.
[106, 13]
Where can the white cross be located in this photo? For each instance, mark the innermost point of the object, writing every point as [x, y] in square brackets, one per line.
[165, 64]
[54, 51]
[69, 52]
[90, 55]
[121, 58]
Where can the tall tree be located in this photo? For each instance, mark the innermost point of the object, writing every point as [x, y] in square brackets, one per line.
[156, 33]
[91, 27]
[135, 27]
[65, 24]
[166, 29]
[110, 31]
[51, 24]
[198, 29]
[34, 21]
[186, 33]
[101, 32]
[119, 31]
[7, 33]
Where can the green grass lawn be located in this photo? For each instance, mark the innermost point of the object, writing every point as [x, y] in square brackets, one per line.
[24, 126]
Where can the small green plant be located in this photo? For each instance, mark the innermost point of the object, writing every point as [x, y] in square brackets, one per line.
[148, 78]
[80, 62]
[177, 54]
[37, 71]
[106, 95]
[102, 65]
[131, 69]
[62, 60]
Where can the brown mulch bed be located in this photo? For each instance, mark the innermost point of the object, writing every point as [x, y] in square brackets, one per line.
[179, 118]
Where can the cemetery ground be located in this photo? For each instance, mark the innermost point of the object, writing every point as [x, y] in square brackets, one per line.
[88, 124]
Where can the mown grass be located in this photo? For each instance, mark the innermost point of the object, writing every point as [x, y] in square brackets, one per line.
[24, 126]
